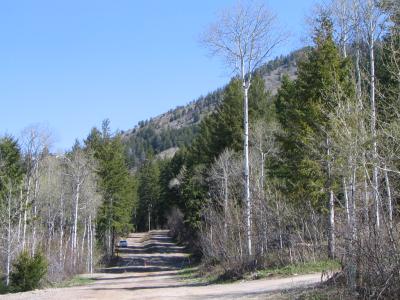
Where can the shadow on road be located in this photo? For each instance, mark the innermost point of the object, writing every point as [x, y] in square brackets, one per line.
[156, 252]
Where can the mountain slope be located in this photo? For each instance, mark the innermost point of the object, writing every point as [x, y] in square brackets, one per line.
[164, 134]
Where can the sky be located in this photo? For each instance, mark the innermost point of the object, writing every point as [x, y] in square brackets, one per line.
[69, 64]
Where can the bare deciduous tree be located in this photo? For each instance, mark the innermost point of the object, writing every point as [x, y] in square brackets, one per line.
[244, 37]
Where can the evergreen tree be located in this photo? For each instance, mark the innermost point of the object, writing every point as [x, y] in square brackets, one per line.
[222, 129]
[11, 173]
[302, 108]
[149, 196]
[10, 165]
[116, 186]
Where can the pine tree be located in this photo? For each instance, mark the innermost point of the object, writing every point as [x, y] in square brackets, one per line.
[149, 196]
[224, 128]
[302, 108]
[219, 131]
[11, 173]
[116, 185]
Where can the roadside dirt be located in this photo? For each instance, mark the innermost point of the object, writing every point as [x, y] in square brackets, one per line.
[149, 270]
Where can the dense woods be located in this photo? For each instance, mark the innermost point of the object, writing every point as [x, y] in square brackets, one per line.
[323, 158]
[70, 207]
[260, 179]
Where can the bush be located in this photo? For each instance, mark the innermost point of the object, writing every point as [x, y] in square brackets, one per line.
[3, 287]
[27, 272]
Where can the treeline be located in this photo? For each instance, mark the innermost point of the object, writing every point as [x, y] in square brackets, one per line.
[178, 129]
[69, 207]
[147, 142]
[282, 60]
[150, 138]
[324, 161]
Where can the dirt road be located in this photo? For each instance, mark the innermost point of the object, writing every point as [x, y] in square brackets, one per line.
[148, 270]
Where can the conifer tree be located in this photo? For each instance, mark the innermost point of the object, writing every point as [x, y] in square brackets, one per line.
[302, 108]
[11, 173]
[149, 195]
[116, 185]
[219, 131]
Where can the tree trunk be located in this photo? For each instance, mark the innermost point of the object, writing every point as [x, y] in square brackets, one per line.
[83, 242]
[353, 220]
[27, 200]
[61, 230]
[389, 198]
[247, 168]
[331, 237]
[373, 125]
[89, 245]
[76, 206]
[331, 206]
[366, 201]
[149, 216]
[8, 240]
[346, 198]
[20, 208]
[226, 203]
[34, 221]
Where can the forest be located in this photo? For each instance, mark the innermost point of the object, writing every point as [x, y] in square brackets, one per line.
[310, 173]
[65, 211]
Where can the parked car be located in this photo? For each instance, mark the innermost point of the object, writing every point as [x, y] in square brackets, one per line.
[123, 244]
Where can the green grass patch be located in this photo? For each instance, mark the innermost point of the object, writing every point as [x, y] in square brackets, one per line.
[189, 272]
[197, 275]
[322, 293]
[299, 268]
[75, 281]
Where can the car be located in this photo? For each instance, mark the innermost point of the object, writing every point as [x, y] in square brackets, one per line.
[123, 244]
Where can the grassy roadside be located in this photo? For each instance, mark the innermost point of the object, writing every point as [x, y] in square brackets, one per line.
[74, 281]
[194, 275]
[296, 269]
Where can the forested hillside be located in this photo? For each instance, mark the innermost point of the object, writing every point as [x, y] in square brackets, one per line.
[178, 127]
[322, 169]
[294, 161]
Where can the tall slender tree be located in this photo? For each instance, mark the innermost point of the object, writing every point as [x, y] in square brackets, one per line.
[244, 36]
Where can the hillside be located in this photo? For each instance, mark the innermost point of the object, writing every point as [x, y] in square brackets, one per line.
[164, 134]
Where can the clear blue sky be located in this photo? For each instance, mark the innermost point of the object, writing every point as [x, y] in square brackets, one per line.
[70, 64]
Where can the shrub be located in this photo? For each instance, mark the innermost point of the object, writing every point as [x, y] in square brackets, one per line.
[27, 272]
[3, 287]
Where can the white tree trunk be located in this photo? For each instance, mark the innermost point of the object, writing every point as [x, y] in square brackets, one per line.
[8, 239]
[74, 235]
[90, 245]
[149, 216]
[61, 231]
[20, 208]
[27, 200]
[373, 128]
[331, 240]
[353, 220]
[246, 167]
[34, 229]
[34, 221]
[389, 198]
[83, 242]
[346, 198]
[331, 206]
[366, 201]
